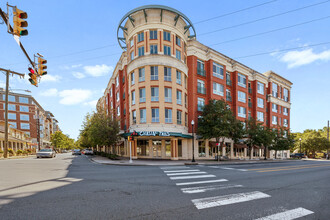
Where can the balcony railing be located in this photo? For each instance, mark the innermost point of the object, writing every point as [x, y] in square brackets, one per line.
[228, 82]
[201, 90]
[228, 98]
[201, 72]
[250, 90]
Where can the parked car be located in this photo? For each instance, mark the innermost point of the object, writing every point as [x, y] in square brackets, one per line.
[298, 155]
[46, 152]
[88, 152]
[76, 152]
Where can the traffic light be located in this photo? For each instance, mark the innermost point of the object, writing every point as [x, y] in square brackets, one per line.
[130, 138]
[20, 22]
[42, 66]
[33, 77]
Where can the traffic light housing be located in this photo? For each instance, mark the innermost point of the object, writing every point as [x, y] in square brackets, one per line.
[19, 22]
[130, 138]
[33, 77]
[42, 67]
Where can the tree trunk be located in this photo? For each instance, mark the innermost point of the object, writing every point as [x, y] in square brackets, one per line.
[265, 153]
[275, 154]
[217, 141]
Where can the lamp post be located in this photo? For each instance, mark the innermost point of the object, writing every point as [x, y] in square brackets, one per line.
[193, 141]
[300, 145]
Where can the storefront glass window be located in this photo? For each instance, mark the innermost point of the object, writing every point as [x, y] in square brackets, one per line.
[180, 148]
[201, 149]
[168, 148]
[142, 148]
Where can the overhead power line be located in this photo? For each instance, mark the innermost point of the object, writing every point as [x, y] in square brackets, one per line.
[264, 18]
[271, 31]
[234, 12]
[283, 50]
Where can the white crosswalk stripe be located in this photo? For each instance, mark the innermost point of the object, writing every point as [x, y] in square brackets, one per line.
[227, 168]
[228, 199]
[201, 189]
[191, 177]
[173, 167]
[189, 173]
[201, 182]
[288, 215]
[178, 171]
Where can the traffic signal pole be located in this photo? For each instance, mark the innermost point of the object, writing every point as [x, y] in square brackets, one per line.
[5, 155]
[130, 152]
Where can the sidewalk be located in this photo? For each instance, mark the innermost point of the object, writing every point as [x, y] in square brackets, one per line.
[140, 162]
[16, 157]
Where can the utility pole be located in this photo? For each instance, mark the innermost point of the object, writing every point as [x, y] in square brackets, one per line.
[6, 107]
[328, 141]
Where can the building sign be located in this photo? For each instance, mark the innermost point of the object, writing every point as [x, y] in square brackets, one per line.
[155, 133]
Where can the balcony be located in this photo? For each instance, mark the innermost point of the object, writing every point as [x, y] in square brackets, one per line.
[228, 82]
[201, 90]
[228, 98]
[250, 104]
[201, 72]
[250, 90]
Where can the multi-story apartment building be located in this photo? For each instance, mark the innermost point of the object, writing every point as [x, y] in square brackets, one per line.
[25, 113]
[165, 76]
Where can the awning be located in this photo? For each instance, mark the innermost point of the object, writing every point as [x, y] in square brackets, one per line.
[159, 134]
[240, 146]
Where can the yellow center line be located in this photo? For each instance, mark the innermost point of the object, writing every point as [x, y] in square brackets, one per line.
[296, 168]
[272, 168]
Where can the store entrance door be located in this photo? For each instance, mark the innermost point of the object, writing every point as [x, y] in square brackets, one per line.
[156, 149]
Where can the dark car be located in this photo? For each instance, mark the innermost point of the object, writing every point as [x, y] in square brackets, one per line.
[76, 152]
[298, 155]
[88, 152]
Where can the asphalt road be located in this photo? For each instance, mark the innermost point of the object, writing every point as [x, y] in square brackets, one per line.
[72, 187]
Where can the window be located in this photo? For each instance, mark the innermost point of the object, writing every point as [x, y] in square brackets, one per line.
[153, 34]
[274, 107]
[11, 107]
[143, 115]
[154, 94]
[200, 68]
[201, 87]
[12, 124]
[241, 112]
[241, 80]
[154, 72]
[167, 36]
[24, 117]
[178, 97]
[285, 122]
[24, 100]
[274, 120]
[11, 116]
[141, 51]
[140, 36]
[141, 75]
[185, 81]
[167, 74]
[286, 95]
[241, 96]
[260, 116]
[23, 108]
[132, 42]
[260, 103]
[25, 126]
[142, 93]
[218, 89]
[285, 111]
[155, 115]
[178, 77]
[178, 54]
[133, 97]
[186, 119]
[200, 104]
[185, 100]
[117, 96]
[168, 94]
[132, 55]
[118, 110]
[153, 49]
[178, 117]
[167, 50]
[132, 78]
[261, 88]
[274, 90]
[117, 81]
[217, 70]
[11, 98]
[178, 41]
[134, 117]
[168, 115]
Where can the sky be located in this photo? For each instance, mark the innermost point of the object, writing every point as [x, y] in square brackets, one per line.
[79, 41]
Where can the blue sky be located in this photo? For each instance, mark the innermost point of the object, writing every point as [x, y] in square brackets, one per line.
[78, 38]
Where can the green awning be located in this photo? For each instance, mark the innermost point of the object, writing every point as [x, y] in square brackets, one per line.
[156, 134]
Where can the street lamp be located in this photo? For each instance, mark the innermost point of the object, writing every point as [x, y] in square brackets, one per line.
[193, 141]
[300, 145]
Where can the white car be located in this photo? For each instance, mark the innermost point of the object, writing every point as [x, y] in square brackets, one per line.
[46, 152]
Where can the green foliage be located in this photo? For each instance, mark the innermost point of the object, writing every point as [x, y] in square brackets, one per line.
[62, 141]
[10, 151]
[312, 141]
[254, 134]
[19, 152]
[1, 151]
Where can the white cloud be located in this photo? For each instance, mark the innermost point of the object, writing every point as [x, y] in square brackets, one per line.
[50, 92]
[50, 78]
[98, 70]
[91, 103]
[74, 96]
[76, 65]
[78, 75]
[304, 57]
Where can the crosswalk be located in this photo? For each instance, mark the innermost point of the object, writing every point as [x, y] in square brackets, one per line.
[194, 181]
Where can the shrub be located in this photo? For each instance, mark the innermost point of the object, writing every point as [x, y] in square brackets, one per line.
[24, 152]
[18, 152]
[1, 152]
[28, 151]
[10, 151]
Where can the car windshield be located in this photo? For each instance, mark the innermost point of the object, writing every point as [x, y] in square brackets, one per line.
[76, 150]
[45, 150]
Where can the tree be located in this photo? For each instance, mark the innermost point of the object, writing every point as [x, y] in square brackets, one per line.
[61, 141]
[283, 140]
[254, 134]
[217, 121]
[267, 139]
